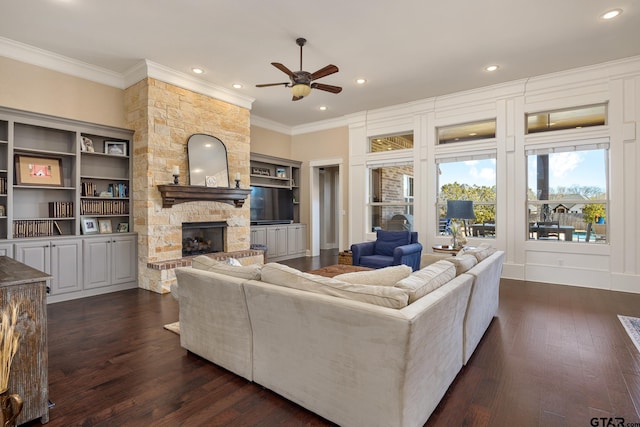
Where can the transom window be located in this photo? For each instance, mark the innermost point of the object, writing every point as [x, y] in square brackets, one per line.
[379, 144]
[473, 131]
[567, 194]
[570, 118]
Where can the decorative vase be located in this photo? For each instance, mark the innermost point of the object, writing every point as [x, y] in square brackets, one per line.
[10, 408]
[454, 240]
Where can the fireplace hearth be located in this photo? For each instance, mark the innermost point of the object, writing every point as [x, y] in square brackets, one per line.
[203, 237]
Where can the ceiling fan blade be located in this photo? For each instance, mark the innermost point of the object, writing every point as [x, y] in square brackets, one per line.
[297, 98]
[322, 72]
[284, 69]
[328, 88]
[272, 84]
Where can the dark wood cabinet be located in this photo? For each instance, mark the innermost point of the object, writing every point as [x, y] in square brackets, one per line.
[28, 377]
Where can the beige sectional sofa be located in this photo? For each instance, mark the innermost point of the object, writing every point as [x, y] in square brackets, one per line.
[357, 354]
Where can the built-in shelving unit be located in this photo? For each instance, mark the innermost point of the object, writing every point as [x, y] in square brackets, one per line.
[57, 174]
[270, 171]
[283, 241]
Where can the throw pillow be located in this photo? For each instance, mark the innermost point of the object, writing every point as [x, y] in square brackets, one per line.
[430, 278]
[387, 241]
[481, 252]
[463, 262]
[387, 276]
[249, 272]
[282, 275]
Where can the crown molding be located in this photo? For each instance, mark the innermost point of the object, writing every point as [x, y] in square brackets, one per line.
[146, 68]
[320, 125]
[261, 122]
[63, 64]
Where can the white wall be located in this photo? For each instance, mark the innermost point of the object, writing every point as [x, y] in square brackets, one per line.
[615, 265]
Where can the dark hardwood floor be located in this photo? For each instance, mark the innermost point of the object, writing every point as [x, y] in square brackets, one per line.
[554, 356]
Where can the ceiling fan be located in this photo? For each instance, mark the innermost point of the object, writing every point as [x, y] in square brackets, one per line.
[302, 81]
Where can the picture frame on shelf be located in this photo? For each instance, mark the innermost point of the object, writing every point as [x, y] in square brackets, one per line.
[104, 226]
[260, 171]
[38, 171]
[89, 225]
[86, 144]
[123, 227]
[115, 148]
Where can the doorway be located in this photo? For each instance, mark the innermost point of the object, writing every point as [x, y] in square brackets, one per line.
[326, 205]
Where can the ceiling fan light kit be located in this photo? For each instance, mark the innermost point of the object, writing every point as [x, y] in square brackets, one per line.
[300, 90]
[301, 81]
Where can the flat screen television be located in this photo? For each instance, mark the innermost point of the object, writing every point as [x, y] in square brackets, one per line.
[271, 205]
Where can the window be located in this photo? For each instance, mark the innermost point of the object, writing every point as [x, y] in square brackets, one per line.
[567, 192]
[572, 118]
[469, 178]
[467, 132]
[379, 144]
[391, 197]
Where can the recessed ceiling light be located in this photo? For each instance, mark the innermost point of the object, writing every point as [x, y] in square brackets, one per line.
[237, 86]
[491, 68]
[361, 81]
[197, 70]
[323, 108]
[611, 14]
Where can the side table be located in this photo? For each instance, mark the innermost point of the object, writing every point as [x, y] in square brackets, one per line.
[345, 257]
[445, 249]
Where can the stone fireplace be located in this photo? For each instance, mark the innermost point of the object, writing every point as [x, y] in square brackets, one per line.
[199, 238]
[163, 117]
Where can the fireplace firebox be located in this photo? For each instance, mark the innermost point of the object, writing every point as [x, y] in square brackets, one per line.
[203, 237]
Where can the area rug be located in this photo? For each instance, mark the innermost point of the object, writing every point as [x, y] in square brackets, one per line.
[173, 327]
[632, 325]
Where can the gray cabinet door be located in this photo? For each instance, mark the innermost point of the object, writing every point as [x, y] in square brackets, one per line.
[66, 266]
[276, 241]
[36, 254]
[97, 262]
[258, 235]
[123, 259]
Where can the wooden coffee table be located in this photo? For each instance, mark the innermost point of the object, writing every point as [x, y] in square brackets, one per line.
[334, 270]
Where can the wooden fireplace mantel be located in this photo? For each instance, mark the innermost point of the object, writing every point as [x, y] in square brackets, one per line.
[173, 194]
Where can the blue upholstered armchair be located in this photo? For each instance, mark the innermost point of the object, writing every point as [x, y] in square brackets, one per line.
[390, 248]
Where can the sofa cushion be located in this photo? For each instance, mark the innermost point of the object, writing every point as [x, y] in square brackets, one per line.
[387, 241]
[387, 276]
[282, 275]
[463, 262]
[428, 259]
[428, 279]
[481, 252]
[249, 272]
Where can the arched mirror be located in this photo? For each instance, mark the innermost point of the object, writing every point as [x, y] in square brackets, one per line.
[207, 161]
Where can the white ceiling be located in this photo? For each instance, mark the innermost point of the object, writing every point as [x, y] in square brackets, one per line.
[406, 49]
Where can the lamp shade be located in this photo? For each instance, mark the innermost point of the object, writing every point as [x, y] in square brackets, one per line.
[460, 209]
[300, 90]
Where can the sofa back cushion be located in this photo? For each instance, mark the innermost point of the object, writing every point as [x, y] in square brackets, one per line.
[428, 279]
[387, 241]
[463, 262]
[282, 275]
[387, 276]
[249, 272]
